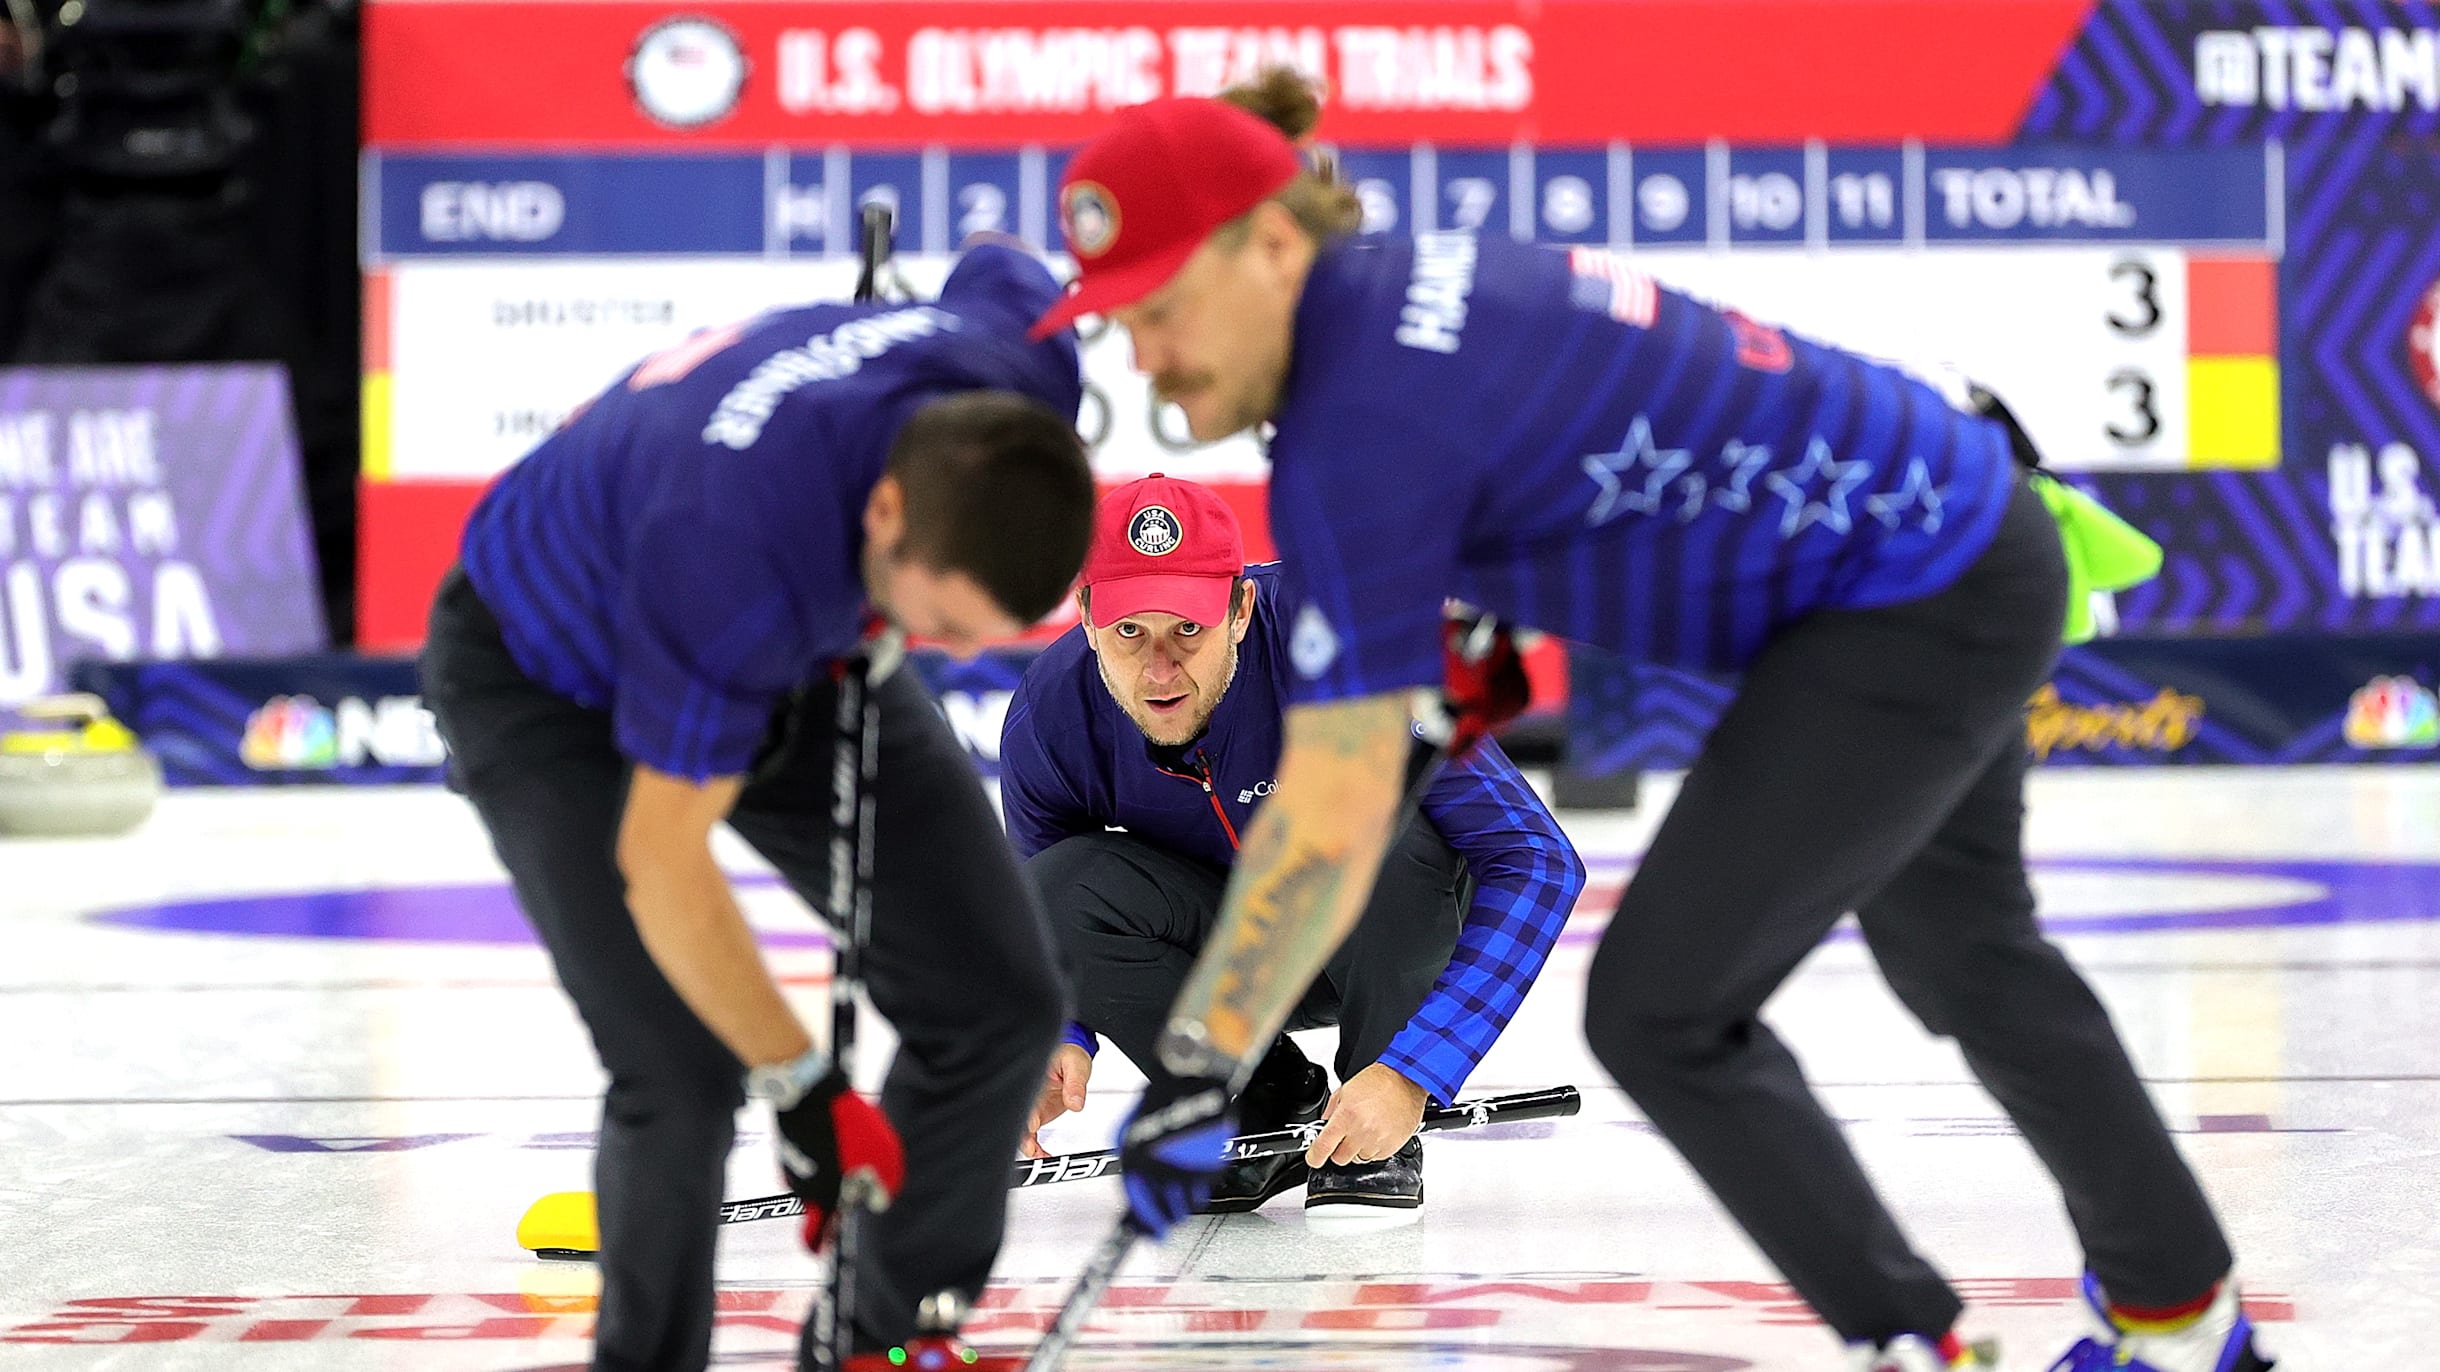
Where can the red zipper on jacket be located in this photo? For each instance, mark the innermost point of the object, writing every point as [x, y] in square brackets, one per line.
[1204, 780]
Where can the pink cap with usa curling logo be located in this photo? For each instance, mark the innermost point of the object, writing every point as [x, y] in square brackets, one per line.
[1165, 545]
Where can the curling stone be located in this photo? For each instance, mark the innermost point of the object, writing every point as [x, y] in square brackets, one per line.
[70, 770]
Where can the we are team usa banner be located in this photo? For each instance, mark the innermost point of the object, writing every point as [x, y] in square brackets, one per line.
[148, 513]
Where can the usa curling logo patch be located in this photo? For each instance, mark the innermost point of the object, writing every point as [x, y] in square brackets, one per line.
[1154, 532]
[1090, 218]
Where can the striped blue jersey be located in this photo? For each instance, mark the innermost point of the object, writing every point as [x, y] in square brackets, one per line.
[1071, 762]
[687, 549]
[1559, 440]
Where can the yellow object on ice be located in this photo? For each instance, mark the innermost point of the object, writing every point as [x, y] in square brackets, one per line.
[561, 1288]
[561, 1224]
[73, 772]
[101, 736]
[85, 727]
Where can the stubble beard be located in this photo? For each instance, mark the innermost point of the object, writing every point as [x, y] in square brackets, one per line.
[1186, 729]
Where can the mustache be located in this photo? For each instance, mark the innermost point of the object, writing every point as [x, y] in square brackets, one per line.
[1171, 385]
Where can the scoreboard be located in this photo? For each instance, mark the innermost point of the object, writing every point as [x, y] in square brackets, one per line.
[2188, 242]
[2125, 302]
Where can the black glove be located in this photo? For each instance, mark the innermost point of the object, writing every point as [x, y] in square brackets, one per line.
[1171, 1149]
[829, 1136]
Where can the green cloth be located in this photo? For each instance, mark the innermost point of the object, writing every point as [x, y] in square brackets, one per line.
[2104, 552]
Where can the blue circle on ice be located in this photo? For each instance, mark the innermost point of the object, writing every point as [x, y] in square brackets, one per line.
[481, 912]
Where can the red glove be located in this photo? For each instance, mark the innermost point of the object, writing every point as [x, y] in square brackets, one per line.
[830, 1138]
[1483, 678]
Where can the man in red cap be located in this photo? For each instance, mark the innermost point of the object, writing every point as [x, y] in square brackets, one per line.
[1159, 717]
[1557, 439]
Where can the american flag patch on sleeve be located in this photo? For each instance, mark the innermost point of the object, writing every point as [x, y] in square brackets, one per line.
[1606, 283]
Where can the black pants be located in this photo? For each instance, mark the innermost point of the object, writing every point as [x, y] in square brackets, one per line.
[1136, 915]
[1874, 761]
[960, 962]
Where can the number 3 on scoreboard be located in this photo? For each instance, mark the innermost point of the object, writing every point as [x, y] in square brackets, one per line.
[2143, 396]
[2142, 400]
[2141, 313]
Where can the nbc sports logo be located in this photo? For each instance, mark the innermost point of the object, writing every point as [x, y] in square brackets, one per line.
[299, 733]
[290, 733]
[2393, 712]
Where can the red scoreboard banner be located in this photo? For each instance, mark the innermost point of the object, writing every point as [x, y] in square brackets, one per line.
[465, 74]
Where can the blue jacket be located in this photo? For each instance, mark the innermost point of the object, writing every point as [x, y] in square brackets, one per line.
[1071, 762]
[686, 550]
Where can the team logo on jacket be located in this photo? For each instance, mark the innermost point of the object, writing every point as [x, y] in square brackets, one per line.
[1313, 645]
[1154, 532]
[687, 72]
[1090, 218]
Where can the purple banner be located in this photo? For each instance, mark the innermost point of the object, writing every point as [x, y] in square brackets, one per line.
[149, 513]
[2344, 533]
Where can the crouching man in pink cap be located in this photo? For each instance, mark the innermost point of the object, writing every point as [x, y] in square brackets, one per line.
[1139, 748]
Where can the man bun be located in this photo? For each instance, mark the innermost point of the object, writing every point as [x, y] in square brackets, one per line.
[1283, 97]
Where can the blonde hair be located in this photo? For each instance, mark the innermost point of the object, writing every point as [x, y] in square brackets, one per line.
[1324, 206]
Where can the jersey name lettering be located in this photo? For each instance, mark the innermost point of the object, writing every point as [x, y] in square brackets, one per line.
[843, 351]
[1436, 294]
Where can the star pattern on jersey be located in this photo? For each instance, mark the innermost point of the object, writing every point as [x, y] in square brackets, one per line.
[1696, 488]
[1744, 461]
[1916, 493]
[1612, 470]
[1803, 512]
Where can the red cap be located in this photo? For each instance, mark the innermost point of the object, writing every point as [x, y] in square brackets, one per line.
[1138, 200]
[1161, 544]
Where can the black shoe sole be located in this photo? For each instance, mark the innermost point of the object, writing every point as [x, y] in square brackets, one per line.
[1357, 1198]
[1289, 1179]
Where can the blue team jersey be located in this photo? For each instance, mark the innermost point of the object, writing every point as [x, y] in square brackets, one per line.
[686, 550]
[1557, 439]
[1071, 762]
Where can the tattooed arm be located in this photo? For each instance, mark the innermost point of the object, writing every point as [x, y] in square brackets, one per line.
[1301, 882]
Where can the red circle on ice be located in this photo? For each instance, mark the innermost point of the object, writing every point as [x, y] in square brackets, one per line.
[2423, 343]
